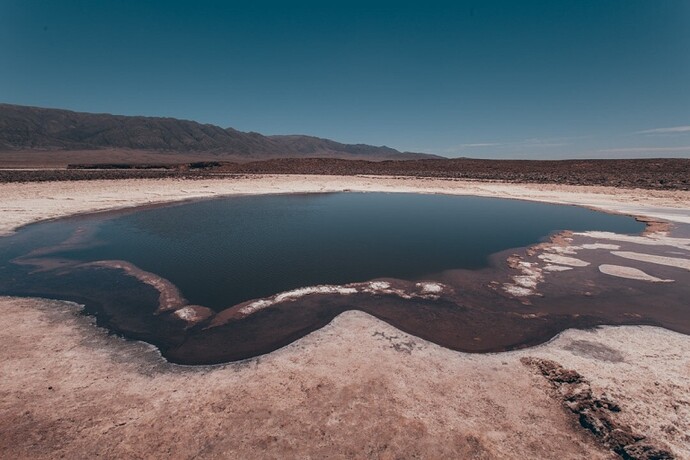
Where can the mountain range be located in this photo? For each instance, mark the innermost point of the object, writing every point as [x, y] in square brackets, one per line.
[25, 128]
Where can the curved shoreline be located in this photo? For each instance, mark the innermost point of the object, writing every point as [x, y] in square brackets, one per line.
[513, 301]
[27, 203]
[357, 384]
[357, 372]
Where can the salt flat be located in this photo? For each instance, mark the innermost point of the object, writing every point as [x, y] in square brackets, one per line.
[356, 388]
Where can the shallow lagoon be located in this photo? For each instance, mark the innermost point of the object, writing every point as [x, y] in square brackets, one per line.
[223, 254]
[225, 251]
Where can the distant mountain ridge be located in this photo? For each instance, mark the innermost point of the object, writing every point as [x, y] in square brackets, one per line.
[34, 128]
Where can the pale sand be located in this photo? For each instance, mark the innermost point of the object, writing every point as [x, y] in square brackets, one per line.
[356, 388]
[630, 273]
[654, 259]
[21, 204]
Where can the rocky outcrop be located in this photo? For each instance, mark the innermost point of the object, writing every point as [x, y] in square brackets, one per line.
[596, 413]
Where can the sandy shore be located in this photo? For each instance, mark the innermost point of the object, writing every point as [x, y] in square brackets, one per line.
[357, 388]
[24, 203]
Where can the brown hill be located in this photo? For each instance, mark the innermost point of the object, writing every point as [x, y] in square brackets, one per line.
[38, 129]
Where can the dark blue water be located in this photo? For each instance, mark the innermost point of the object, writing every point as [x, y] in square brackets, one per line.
[224, 251]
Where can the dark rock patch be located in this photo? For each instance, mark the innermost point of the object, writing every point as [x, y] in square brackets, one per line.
[596, 414]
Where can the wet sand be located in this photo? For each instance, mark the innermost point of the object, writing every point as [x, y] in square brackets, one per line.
[413, 396]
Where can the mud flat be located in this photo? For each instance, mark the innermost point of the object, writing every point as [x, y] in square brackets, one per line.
[357, 387]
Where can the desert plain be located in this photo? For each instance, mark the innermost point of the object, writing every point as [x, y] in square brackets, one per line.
[357, 388]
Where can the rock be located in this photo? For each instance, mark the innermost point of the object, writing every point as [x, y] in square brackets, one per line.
[595, 414]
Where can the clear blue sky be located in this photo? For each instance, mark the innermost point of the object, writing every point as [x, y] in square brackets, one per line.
[502, 79]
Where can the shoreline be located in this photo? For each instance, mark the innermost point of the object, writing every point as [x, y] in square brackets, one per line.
[405, 389]
[311, 360]
[26, 203]
[510, 298]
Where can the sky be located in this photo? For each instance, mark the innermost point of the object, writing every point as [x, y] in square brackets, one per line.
[485, 78]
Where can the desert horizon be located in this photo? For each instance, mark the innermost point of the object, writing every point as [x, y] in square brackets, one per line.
[368, 230]
[40, 197]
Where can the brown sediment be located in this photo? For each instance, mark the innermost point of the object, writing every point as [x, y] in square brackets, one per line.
[341, 392]
[533, 294]
[170, 297]
[356, 388]
[82, 237]
[192, 315]
[560, 239]
[524, 305]
[41, 264]
[654, 226]
[597, 414]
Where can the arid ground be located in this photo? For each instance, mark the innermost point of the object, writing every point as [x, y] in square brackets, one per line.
[355, 388]
[655, 173]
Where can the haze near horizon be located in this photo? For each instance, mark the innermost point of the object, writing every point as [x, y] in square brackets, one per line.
[489, 79]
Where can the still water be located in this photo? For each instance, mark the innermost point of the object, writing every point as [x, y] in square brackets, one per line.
[224, 251]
